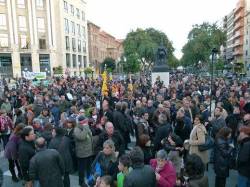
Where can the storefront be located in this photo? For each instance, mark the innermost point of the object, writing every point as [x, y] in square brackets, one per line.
[26, 62]
[6, 65]
[44, 60]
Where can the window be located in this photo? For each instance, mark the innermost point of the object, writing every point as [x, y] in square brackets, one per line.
[21, 3]
[23, 42]
[40, 25]
[84, 61]
[74, 44]
[78, 13]
[83, 16]
[72, 10]
[80, 61]
[22, 23]
[67, 43]
[68, 63]
[39, 4]
[66, 6]
[2, 2]
[4, 41]
[74, 61]
[78, 30]
[246, 53]
[42, 44]
[3, 25]
[79, 45]
[73, 31]
[84, 46]
[66, 26]
[83, 32]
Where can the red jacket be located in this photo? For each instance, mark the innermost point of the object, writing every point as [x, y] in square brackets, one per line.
[167, 173]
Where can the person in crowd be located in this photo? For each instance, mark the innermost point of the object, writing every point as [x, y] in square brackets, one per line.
[11, 152]
[174, 146]
[162, 131]
[6, 127]
[105, 181]
[146, 147]
[84, 148]
[45, 117]
[141, 175]
[41, 161]
[217, 122]
[222, 156]
[243, 160]
[107, 111]
[115, 136]
[26, 151]
[195, 171]
[197, 137]
[107, 159]
[6, 106]
[63, 145]
[164, 170]
[47, 132]
[183, 125]
[143, 126]
[124, 169]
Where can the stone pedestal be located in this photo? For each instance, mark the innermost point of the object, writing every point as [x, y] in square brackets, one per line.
[164, 76]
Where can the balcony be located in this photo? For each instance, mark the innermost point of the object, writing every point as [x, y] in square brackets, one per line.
[238, 43]
[238, 25]
[237, 34]
[238, 53]
[238, 17]
[240, 5]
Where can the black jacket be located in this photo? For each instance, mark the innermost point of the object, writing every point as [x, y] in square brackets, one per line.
[63, 145]
[243, 161]
[116, 138]
[141, 176]
[26, 152]
[217, 124]
[162, 132]
[47, 166]
[222, 156]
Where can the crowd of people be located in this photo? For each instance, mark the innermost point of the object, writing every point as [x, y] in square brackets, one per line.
[68, 126]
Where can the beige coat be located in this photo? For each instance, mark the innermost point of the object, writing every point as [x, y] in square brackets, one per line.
[197, 137]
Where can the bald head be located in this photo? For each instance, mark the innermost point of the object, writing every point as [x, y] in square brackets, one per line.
[40, 143]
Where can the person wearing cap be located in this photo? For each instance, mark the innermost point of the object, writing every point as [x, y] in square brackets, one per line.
[164, 170]
[84, 148]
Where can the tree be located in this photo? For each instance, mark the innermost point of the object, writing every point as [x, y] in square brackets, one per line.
[110, 64]
[140, 48]
[201, 40]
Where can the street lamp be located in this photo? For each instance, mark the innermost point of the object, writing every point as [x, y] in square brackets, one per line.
[213, 56]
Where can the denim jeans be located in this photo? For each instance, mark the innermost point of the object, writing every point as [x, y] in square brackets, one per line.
[243, 181]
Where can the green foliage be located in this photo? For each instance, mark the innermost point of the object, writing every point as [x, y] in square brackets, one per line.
[140, 48]
[58, 70]
[88, 70]
[110, 64]
[219, 64]
[201, 40]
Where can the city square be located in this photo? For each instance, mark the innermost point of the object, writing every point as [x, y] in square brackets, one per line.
[124, 93]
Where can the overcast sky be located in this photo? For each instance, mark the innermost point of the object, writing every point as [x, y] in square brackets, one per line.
[174, 17]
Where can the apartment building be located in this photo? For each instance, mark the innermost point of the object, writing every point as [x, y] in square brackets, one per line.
[38, 35]
[101, 46]
[246, 46]
[229, 26]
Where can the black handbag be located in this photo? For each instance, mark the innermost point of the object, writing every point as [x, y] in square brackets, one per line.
[209, 143]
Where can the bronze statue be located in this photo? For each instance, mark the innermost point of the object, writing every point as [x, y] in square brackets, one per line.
[160, 64]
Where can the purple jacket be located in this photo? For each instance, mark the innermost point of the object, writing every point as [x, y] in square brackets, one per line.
[11, 149]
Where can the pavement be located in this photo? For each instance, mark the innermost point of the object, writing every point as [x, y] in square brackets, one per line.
[231, 180]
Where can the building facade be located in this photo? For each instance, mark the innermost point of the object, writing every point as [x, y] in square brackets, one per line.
[101, 46]
[229, 26]
[40, 35]
[246, 46]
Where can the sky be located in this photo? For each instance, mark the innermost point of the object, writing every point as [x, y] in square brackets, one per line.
[173, 17]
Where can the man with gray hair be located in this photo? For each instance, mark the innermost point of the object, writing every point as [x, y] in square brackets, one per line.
[44, 159]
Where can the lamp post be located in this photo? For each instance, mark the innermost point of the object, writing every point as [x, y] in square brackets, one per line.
[214, 52]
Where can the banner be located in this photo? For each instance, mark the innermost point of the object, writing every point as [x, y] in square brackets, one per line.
[34, 75]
